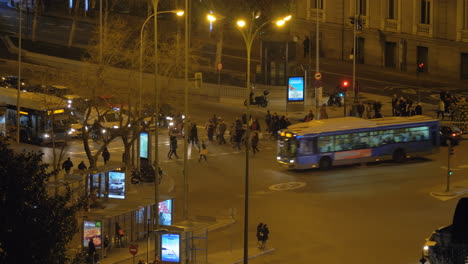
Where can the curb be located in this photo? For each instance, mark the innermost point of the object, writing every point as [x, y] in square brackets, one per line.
[257, 255]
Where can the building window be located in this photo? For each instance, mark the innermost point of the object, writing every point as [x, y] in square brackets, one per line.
[425, 11]
[362, 7]
[393, 9]
[317, 4]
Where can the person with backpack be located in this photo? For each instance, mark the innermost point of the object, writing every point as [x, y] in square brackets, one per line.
[259, 235]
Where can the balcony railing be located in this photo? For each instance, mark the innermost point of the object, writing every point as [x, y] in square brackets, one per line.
[424, 29]
[313, 14]
[391, 25]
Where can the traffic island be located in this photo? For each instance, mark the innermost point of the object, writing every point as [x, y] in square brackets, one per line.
[454, 192]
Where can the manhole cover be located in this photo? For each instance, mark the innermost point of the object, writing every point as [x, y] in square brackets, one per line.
[287, 186]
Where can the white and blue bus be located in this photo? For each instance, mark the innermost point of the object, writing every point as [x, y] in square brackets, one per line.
[349, 140]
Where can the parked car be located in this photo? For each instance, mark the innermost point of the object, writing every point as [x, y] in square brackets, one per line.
[450, 135]
[429, 243]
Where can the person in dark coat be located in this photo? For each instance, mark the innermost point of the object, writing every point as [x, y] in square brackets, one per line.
[194, 134]
[259, 235]
[67, 165]
[82, 166]
[282, 123]
[210, 129]
[418, 110]
[106, 155]
[265, 235]
[268, 120]
[306, 44]
[254, 143]
[172, 147]
[221, 130]
[360, 109]
[91, 250]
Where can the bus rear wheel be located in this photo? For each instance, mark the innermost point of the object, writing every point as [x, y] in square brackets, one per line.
[325, 163]
[399, 156]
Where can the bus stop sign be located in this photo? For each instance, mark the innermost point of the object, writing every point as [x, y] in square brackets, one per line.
[133, 249]
[318, 76]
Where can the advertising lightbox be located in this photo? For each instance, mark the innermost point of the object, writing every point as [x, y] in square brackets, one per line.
[144, 145]
[117, 184]
[296, 89]
[170, 247]
[165, 212]
[92, 230]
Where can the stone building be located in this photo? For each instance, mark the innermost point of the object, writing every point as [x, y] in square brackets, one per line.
[396, 34]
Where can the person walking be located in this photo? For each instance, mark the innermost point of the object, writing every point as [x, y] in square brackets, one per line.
[265, 235]
[323, 112]
[82, 166]
[394, 104]
[91, 251]
[221, 130]
[268, 120]
[119, 233]
[254, 143]
[441, 110]
[259, 235]
[194, 134]
[67, 165]
[106, 155]
[369, 110]
[106, 245]
[360, 109]
[172, 147]
[418, 109]
[210, 128]
[203, 152]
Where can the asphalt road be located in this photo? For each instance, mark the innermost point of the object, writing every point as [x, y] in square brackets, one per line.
[380, 213]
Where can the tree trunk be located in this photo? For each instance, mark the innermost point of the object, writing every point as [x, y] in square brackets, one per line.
[36, 14]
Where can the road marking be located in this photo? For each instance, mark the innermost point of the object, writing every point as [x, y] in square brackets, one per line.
[49, 24]
[64, 26]
[287, 186]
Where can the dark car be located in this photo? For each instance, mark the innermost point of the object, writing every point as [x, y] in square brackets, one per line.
[12, 82]
[450, 135]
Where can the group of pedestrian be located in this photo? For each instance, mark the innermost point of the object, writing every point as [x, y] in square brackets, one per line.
[262, 235]
[275, 123]
[448, 104]
[402, 106]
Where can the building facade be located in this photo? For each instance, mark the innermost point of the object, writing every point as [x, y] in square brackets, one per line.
[395, 34]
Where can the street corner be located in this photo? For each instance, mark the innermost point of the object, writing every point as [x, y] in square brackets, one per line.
[453, 193]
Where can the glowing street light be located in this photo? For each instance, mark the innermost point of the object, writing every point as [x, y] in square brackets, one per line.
[180, 12]
[240, 23]
[280, 23]
[211, 18]
[287, 18]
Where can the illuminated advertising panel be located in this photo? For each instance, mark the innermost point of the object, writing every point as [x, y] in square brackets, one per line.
[117, 185]
[296, 89]
[165, 212]
[170, 247]
[144, 145]
[92, 230]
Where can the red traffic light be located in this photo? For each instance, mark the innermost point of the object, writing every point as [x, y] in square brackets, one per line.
[421, 65]
[345, 84]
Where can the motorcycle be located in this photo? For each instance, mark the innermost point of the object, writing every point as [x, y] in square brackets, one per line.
[334, 99]
[261, 100]
[145, 174]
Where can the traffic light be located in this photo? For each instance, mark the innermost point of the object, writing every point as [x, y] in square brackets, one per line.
[450, 172]
[421, 67]
[351, 20]
[452, 151]
[345, 85]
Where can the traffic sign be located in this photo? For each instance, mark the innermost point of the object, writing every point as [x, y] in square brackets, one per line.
[133, 249]
[220, 66]
[318, 76]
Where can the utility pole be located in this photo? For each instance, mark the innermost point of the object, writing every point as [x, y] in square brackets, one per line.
[18, 92]
[450, 153]
[318, 90]
[186, 120]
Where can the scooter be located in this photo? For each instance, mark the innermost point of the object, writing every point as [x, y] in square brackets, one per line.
[261, 100]
[145, 175]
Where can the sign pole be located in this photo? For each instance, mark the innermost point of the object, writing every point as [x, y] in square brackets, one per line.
[133, 259]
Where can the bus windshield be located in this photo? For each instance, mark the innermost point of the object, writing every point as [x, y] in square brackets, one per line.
[287, 147]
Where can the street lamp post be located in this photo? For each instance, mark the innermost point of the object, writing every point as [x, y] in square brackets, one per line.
[249, 35]
[18, 92]
[186, 119]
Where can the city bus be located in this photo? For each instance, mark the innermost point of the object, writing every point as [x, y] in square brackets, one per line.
[348, 140]
[42, 117]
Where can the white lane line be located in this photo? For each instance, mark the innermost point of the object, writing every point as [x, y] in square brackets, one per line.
[49, 24]
[64, 26]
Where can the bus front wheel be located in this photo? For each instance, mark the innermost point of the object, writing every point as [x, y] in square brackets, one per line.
[399, 156]
[325, 163]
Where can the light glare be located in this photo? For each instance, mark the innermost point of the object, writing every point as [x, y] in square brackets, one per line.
[280, 23]
[287, 18]
[211, 18]
[180, 13]
[240, 23]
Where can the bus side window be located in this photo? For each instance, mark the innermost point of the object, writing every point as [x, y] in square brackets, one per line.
[314, 145]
